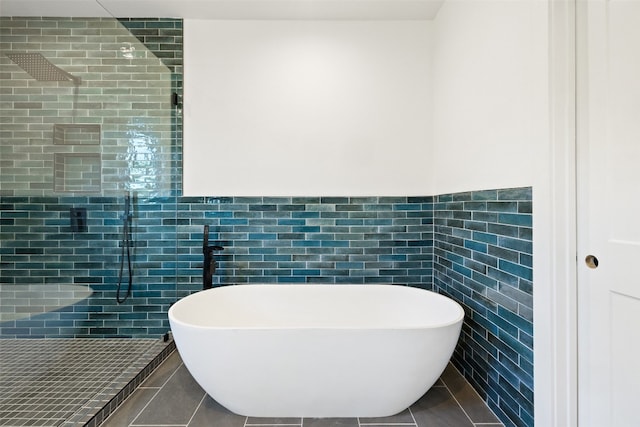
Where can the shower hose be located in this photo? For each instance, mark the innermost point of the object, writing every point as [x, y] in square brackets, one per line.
[126, 252]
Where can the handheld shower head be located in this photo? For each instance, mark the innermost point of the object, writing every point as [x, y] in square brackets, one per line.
[127, 204]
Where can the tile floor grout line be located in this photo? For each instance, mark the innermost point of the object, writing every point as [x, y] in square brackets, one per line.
[197, 407]
[181, 364]
[133, 422]
[159, 425]
[477, 394]
[459, 405]
[388, 424]
[412, 416]
[479, 397]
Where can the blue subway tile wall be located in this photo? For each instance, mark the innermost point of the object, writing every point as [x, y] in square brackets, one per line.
[267, 240]
[483, 259]
[309, 239]
[39, 247]
[463, 245]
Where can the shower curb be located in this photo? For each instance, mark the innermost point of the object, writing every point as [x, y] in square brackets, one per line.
[97, 410]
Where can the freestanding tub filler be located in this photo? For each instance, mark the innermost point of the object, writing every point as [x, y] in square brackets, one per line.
[316, 350]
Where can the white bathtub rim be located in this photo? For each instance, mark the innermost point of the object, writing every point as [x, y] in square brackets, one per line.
[459, 318]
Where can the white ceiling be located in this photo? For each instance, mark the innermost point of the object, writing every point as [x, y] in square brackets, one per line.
[227, 9]
[83, 8]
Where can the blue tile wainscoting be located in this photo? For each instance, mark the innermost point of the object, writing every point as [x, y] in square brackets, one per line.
[314, 239]
[483, 259]
[474, 247]
[266, 240]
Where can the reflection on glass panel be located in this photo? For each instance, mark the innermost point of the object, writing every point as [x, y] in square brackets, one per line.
[85, 118]
[62, 76]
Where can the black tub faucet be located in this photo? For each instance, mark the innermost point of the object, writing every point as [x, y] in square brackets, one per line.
[209, 265]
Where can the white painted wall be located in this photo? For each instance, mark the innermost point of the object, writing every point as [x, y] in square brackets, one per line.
[504, 117]
[307, 108]
[490, 94]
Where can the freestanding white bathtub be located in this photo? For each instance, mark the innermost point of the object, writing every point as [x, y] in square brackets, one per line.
[316, 350]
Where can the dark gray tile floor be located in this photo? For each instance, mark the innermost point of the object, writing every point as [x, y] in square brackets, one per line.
[170, 397]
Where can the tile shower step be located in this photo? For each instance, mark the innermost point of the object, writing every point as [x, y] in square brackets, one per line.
[72, 382]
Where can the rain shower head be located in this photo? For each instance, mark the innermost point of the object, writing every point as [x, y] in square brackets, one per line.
[39, 67]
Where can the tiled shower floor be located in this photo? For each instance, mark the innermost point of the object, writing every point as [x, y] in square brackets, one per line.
[71, 382]
[171, 397]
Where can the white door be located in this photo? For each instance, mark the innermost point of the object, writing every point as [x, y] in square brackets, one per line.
[609, 212]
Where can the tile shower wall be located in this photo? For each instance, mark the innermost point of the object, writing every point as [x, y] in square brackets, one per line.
[39, 247]
[164, 38]
[118, 122]
[483, 259]
[123, 92]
